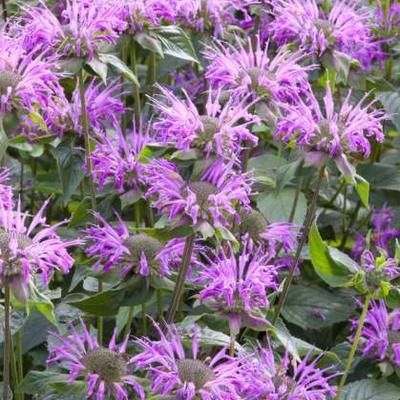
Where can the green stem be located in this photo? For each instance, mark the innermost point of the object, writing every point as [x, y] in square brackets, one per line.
[129, 321]
[144, 318]
[4, 7]
[296, 199]
[355, 344]
[7, 340]
[160, 304]
[34, 172]
[135, 88]
[86, 135]
[14, 371]
[89, 166]
[232, 344]
[308, 220]
[20, 360]
[137, 208]
[21, 183]
[180, 282]
[152, 75]
[348, 229]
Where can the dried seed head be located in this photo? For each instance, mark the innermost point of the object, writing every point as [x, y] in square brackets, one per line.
[9, 79]
[253, 223]
[195, 371]
[143, 244]
[109, 365]
[202, 190]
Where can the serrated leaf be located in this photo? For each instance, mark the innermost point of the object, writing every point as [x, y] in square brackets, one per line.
[99, 67]
[391, 104]
[312, 307]
[370, 389]
[149, 42]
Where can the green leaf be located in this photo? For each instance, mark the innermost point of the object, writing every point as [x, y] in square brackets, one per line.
[37, 119]
[175, 42]
[362, 187]
[391, 103]
[149, 42]
[312, 307]
[81, 214]
[41, 303]
[381, 176]
[120, 66]
[335, 275]
[70, 163]
[129, 198]
[100, 68]
[370, 389]
[276, 207]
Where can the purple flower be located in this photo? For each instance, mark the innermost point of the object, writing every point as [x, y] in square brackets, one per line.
[237, 285]
[182, 376]
[27, 249]
[324, 132]
[347, 27]
[116, 159]
[220, 130]
[85, 26]
[286, 380]
[382, 235]
[241, 71]
[30, 84]
[213, 197]
[139, 252]
[6, 194]
[276, 235]
[380, 334]
[379, 268]
[188, 82]
[103, 106]
[105, 369]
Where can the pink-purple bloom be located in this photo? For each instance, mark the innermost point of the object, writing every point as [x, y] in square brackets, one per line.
[285, 379]
[115, 246]
[347, 27]
[105, 369]
[85, 26]
[213, 198]
[177, 374]
[6, 194]
[116, 159]
[237, 285]
[380, 336]
[222, 129]
[383, 233]
[30, 248]
[103, 106]
[325, 132]
[242, 70]
[29, 83]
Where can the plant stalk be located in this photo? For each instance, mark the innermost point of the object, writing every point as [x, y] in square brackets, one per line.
[136, 91]
[4, 7]
[355, 344]
[180, 282]
[308, 220]
[7, 339]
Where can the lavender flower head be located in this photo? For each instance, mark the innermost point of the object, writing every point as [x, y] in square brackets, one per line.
[347, 27]
[237, 285]
[116, 159]
[105, 369]
[182, 376]
[220, 130]
[284, 380]
[30, 249]
[213, 198]
[138, 253]
[85, 26]
[380, 336]
[277, 235]
[241, 71]
[30, 84]
[325, 132]
[383, 233]
[6, 194]
[103, 106]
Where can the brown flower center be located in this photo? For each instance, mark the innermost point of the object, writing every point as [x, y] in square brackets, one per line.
[194, 371]
[253, 223]
[202, 190]
[143, 244]
[109, 365]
